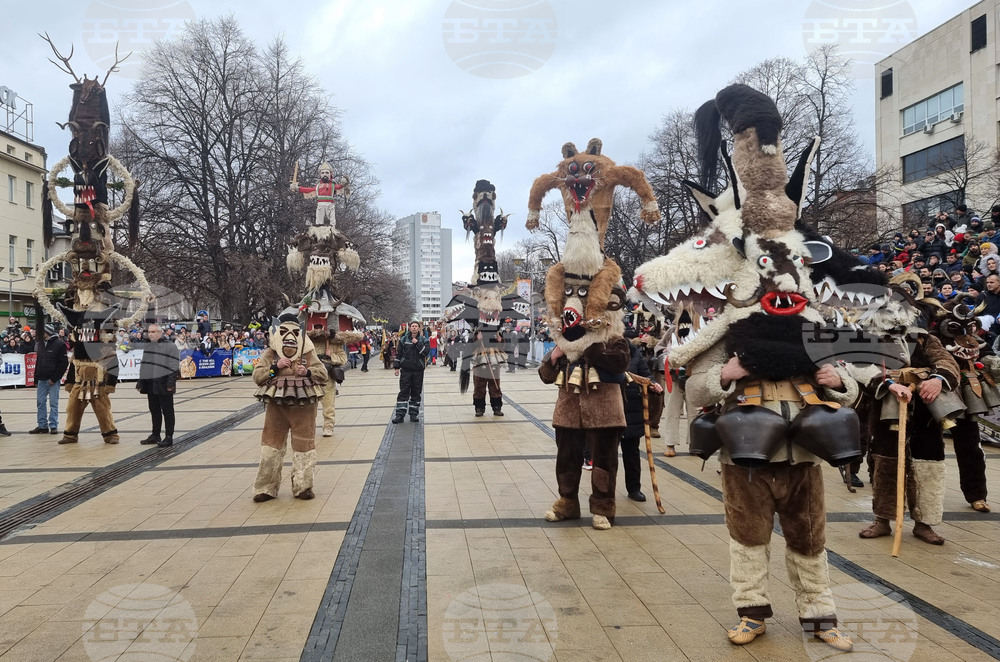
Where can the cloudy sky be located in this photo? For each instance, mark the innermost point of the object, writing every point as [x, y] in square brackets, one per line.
[439, 93]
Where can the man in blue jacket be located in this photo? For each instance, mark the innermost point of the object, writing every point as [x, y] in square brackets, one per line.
[50, 366]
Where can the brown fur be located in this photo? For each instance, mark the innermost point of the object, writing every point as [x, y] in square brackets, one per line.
[601, 285]
[607, 174]
[767, 209]
[554, 280]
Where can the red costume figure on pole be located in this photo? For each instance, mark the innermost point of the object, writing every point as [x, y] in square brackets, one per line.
[324, 192]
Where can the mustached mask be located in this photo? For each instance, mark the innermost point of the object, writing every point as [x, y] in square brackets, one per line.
[288, 338]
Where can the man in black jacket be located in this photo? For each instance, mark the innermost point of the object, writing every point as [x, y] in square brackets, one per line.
[411, 360]
[158, 374]
[50, 366]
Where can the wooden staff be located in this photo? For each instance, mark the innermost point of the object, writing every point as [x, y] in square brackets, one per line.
[897, 536]
[644, 383]
[295, 175]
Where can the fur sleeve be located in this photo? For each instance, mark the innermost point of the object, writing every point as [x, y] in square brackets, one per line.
[852, 389]
[941, 361]
[555, 280]
[542, 185]
[703, 387]
[548, 372]
[634, 179]
[262, 372]
[317, 371]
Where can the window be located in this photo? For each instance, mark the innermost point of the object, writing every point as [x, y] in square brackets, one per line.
[887, 83]
[11, 185]
[29, 250]
[28, 193]
[934, 160]
[934, 109]
[10, 149]
[916, 213]
[27, 157]
[12, 253]
[978, 33]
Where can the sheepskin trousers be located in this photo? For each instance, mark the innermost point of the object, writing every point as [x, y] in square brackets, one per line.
[795, 493]
[102, 409]
[329, 406]
[279, 421]
[672, 413]
[924, 468]
[603, 444]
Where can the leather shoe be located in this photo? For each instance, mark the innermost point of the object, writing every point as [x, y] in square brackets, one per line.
[637, 496]
[855, 481]
[167, 441]
[150, 440]
[53, 430]
[39, 431]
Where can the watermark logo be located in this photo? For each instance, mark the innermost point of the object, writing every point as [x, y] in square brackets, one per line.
[140, 622]
[134, 25]
[881, 623]
[860, 310]
[499, 38]
[865, 31]
[505, 621]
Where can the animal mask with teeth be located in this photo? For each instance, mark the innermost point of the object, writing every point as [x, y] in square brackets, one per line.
[288, 338]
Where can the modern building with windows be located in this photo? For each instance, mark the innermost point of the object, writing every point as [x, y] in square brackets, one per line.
[22, 171]
[423, 258]
[936, 119]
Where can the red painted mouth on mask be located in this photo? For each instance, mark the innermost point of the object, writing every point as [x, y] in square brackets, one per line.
[783, 303]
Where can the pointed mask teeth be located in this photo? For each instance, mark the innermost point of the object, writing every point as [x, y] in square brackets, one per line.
[839, 318]
[716, 292]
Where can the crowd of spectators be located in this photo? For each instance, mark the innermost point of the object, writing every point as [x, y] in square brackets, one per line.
[957, 252]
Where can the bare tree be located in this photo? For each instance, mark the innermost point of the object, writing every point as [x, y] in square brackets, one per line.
[214, 130]
[958, 172]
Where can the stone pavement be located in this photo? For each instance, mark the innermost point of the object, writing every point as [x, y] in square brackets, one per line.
[425, 541]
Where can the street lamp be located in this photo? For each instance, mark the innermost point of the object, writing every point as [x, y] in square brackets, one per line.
[26, 271]
[546, 262]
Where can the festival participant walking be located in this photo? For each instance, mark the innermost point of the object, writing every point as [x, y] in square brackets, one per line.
[366, 352]
[50, 366]
[411, 360]
[158, 375]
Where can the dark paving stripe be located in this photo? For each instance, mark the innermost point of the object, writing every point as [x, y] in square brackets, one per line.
[951, 624]
[375, 604]
[411, 634]
[60, 499]
[162, 534]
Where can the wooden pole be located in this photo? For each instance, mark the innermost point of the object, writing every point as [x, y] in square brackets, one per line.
[644, 383]
[897, 536]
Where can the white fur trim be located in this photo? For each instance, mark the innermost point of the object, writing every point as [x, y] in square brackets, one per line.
[303, 467]
[748, 574]
[651, 206]
[269, 471]
[928, 502]
[349, 258]
[295, 261]
[582, 254]
[601, 523]
[533, 216]
[769, 149]
[810, 579]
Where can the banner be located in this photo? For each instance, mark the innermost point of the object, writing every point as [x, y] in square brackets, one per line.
[524, 288]
[29, 368]
[245, 360]
[12, 372]
[128, 364]
[194, 363]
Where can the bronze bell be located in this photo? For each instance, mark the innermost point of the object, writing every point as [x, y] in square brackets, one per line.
[561, 378]
[593, 379]
[576, 379]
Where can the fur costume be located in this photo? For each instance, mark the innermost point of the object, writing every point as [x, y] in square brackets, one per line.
[749, 365]
[585, 301]
[959, 329]
[331, 348]
[87, 306]
[485, 365]
[290, 393]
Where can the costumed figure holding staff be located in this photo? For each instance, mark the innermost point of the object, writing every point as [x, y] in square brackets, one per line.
[775, 414]
[325, 193]
[585, 306]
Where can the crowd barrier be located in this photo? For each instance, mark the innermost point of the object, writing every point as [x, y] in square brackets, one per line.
[19, 369]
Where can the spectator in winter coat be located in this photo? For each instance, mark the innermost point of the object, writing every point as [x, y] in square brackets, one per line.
[635, 422]
[410, 362]
[50, 366]
[158, 375]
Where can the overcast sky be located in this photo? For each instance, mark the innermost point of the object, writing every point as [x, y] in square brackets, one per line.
[417, 79]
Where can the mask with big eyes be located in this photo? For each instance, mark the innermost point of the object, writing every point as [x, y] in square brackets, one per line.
[287, 340]
[580, 178]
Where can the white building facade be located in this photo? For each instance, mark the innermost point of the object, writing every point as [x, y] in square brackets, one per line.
[936, 119]
[22, 171]
[422, 256]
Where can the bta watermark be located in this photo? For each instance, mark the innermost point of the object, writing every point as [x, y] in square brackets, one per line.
[144, 622]
[880, 621]
[865, 31]
[505, 621]
[499, 38]
[132, 25]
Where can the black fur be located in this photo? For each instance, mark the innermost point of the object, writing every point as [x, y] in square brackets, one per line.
[483, 186]
[770, 346]
[133, 219]
[841, 266]
[706, 127]
[744, 107]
